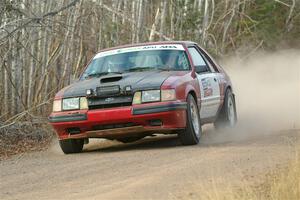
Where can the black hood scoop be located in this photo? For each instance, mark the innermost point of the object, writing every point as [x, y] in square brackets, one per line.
[112, 78]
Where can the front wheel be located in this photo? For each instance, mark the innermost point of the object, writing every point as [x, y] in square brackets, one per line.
[228, 115]
[191, 134]
[71, 145]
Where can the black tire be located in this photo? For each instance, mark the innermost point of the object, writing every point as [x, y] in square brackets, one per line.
[225, 119]
[130, 139]
[71, 145]
[190, 136]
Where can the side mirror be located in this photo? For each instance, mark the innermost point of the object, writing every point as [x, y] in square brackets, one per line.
[201, 69]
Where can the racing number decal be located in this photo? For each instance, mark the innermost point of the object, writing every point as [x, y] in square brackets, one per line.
[207, 87]
[210, 94]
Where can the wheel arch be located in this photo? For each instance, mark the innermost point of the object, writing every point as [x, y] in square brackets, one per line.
[228, 87]
[194, 94]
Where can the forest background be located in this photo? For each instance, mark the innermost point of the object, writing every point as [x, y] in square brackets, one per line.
[44, 45]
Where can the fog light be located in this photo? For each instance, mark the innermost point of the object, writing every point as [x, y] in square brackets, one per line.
[128, 88]
[168, 95]
[89, 92]
[57, 105]
[137, 98]
[83, 103]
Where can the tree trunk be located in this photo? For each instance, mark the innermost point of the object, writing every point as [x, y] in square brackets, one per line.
[162, 20]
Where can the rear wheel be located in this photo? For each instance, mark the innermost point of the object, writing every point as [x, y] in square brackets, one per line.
[192, 133]
[227, 116]
[71, 145]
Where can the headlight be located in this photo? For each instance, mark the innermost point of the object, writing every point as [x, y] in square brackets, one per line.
[150, 96]
[70, 104]
[56, 105]
[168, 95]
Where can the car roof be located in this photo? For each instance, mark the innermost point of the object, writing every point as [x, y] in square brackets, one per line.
[185, 43]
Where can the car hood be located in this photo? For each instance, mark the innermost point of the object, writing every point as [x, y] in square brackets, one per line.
[137, 81]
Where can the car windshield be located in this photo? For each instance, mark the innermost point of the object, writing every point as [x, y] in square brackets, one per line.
[136, 61]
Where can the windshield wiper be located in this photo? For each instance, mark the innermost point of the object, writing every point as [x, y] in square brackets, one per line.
[101, 74]
[157, 68]
[166, 68]
[140, 69]
[144, 69]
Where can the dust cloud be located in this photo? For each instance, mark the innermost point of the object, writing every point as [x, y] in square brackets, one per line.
[267, 88]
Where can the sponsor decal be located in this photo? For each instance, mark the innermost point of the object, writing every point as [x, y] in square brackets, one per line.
[178, 47]
[222, 83]
[207, 88]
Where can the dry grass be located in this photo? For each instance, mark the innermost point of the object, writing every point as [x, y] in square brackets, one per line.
[285, 184]
[24, 137]
[282, 184]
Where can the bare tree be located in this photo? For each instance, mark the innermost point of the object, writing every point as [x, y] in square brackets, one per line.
[44, 45]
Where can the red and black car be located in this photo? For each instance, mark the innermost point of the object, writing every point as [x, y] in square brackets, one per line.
[129, 92]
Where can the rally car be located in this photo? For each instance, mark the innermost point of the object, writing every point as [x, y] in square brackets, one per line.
[133, 91]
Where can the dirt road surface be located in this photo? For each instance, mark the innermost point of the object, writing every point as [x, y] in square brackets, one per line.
[155, 168]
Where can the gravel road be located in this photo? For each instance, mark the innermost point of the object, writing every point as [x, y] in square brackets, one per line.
[154, 168]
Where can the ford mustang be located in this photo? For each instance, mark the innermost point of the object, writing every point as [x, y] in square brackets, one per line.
[130, 92]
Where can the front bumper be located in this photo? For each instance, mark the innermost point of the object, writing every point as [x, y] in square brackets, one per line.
[172, 116]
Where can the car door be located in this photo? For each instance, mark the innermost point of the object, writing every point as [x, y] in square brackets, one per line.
[209, 84]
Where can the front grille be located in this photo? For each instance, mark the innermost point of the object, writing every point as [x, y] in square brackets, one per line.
[112, 126]
[109, 106]
[109, 102]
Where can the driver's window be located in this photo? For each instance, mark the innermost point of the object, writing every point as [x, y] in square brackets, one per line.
[198, 61]
[152, 60]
